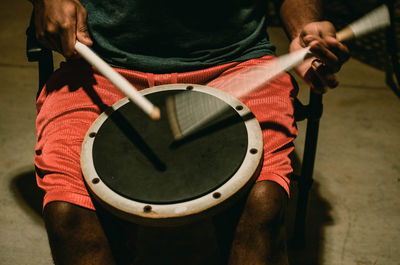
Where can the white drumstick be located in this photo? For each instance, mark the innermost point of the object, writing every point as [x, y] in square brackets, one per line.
[118, 80]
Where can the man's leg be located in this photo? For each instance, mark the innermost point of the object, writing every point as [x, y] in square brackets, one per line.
[259, 237]
[77, 235]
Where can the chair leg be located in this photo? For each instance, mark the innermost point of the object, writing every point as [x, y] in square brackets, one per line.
[305, 180]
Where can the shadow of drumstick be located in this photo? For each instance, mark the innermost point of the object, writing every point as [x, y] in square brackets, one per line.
[135, 138]
[126, 127]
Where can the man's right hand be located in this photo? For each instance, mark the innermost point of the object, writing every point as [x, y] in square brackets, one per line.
[59, 23]
[328, 55]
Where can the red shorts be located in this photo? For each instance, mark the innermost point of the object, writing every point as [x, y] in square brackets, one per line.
[75, 96]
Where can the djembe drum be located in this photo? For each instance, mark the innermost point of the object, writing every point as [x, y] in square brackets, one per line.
[140, 172]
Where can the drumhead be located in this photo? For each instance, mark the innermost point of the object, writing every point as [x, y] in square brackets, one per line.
[135, 167]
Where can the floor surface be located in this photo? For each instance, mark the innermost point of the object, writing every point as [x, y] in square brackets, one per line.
[354, 209]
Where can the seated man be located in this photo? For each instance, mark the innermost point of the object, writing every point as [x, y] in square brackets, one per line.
[160, 42]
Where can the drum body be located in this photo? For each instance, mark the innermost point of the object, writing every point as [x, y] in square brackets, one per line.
[137, 170]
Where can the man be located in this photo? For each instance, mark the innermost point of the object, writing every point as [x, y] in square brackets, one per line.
[159, 42]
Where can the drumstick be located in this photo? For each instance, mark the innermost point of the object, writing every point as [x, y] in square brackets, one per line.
[184, 117]
[118, 80]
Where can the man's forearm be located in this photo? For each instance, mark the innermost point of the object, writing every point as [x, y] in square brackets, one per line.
[295, 14]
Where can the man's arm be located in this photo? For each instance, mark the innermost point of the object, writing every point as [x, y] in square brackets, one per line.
[302, 21]
[295, 14]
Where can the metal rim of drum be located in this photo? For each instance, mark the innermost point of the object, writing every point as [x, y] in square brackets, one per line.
[165, 214]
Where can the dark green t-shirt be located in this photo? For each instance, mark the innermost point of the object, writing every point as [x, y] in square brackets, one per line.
[162, 36]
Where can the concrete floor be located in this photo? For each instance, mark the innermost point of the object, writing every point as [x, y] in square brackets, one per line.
[354, 205]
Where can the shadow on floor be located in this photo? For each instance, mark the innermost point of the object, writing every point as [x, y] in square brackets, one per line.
[27, 194]
[318, 217]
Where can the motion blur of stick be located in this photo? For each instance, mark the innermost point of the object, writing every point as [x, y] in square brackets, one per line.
[187, 111]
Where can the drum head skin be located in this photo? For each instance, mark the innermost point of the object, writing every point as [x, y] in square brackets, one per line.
[138, 170]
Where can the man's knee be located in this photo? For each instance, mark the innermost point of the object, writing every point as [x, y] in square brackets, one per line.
[62, 218]
[69, 225]
[260, 235]
[76, 235]
[266, 204]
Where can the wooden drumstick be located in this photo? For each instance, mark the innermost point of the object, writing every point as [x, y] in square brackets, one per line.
[118, 80]
[256, 77]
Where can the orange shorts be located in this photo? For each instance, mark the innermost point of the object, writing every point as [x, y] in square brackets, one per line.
[75, 95]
